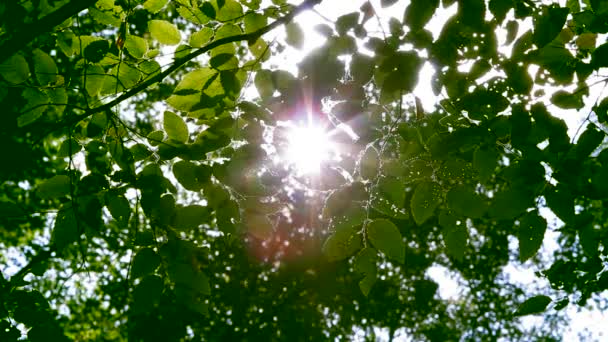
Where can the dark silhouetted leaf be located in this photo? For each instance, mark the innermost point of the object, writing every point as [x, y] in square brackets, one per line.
[530, 234]
[533, 305]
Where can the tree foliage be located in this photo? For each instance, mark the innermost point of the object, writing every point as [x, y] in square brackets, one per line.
[141, 198]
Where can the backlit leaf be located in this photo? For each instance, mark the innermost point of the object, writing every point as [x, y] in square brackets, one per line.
[295, 35]
[342, 244]
[201, 37]
[254, 22]
[136, 46]
[54, 187]
[455, 235]
[35, 107]
[426, 198]
[264, 84]
[365, 264]
[191, 176]
[165, 32]
[154, 6]
[15, 69]
[175, 127]
[119, 208]
[369, 163]
[94, 78]
[385, 236]
[44, 67]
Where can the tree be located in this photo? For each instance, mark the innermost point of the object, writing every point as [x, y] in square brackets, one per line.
[142, 198]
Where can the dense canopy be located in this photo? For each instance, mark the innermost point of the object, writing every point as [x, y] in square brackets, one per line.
[190, 170]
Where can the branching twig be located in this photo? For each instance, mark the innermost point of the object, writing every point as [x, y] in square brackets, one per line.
[24, 34]
[250, 37]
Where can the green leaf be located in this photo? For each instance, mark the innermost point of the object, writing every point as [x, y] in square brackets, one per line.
[164, 32]
[254, 21]
[512, 29]
[599, 57]
[231, 11]
[154, 6]
[65, 230]
[369, 163]
[533, 305]
[119, 208]
[191, 176]
[588, 141]
[385, 236]
[295, 35]
[35, 107]
[54, 187]
[208, 10]
[419, 12]
[455, 235]
[136, 46]
[426, 198]
[96, 50]
[190, 217]
[464, 201]
[68, 148]
[500, 8]
[509, 203]
[97, 125]
[531, 233]
[549, 24]
[155, 138]
[15, 69]
[347, 22]
[145, 262]
[175, 127]
[361, 68]
[393, 189]
[485, 161]
[230, 83]
[342, 244]
[365, 264]
[264, 83]
[94, 79]
[201, 37]
[44, 67]
[221, 59]
[566, 100]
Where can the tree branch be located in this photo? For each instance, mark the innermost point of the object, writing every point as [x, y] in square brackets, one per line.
[24, 34]
[250, 37]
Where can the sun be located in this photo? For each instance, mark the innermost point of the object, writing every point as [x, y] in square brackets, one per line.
[308, 146]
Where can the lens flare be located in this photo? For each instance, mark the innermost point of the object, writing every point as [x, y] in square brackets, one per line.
[308, 146]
